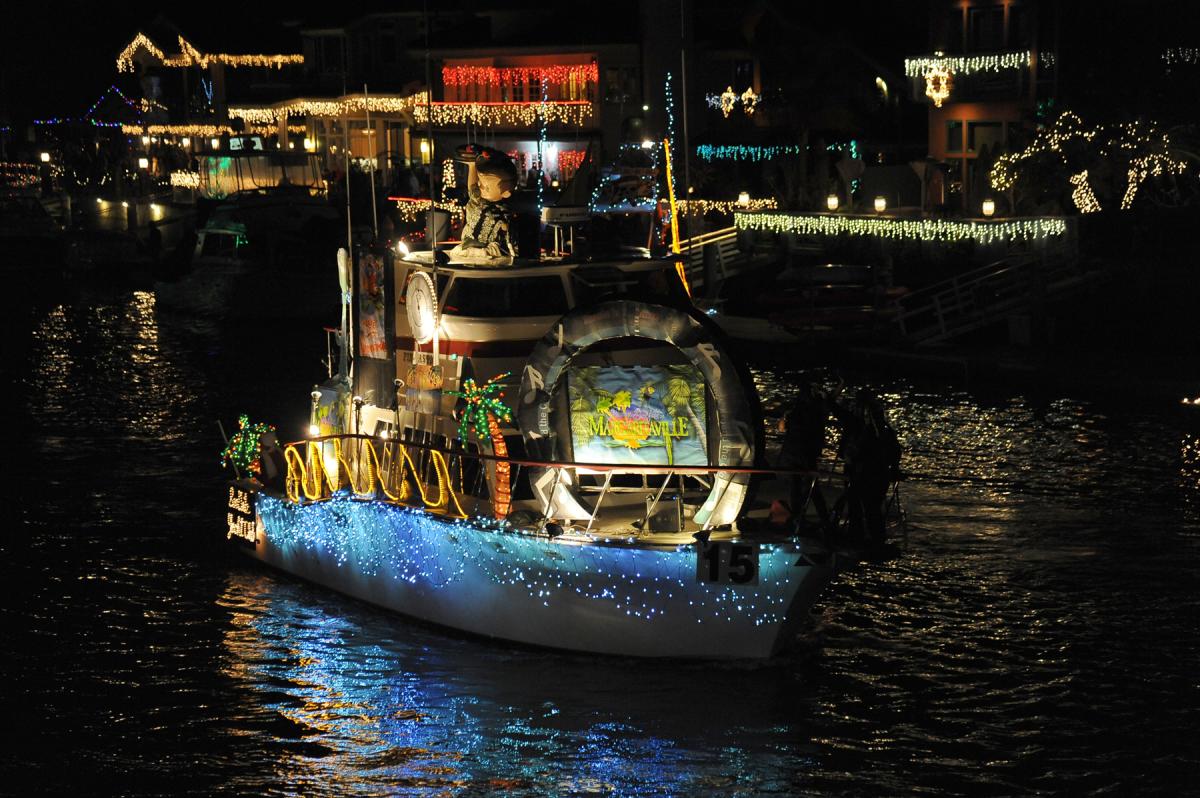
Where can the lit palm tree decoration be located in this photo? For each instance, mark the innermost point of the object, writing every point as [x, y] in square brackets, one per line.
[481, 413]
[242, 450]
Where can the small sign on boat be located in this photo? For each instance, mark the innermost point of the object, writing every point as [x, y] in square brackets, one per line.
[242, 521]
[727, 562]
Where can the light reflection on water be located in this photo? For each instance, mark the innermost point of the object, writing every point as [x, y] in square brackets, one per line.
[1039, 635]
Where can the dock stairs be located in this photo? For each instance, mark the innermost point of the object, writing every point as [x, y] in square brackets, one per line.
[990, 295]
[711, 258]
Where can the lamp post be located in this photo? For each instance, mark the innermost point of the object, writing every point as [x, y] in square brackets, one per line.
[831, 202]
[988, 207]
[880, 204]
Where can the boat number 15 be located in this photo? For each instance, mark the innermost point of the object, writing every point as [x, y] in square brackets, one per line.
[724, 561]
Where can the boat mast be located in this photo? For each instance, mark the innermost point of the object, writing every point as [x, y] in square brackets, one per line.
[683, 90]
[374, 211]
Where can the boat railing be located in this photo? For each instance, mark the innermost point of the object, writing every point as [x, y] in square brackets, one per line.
[458, 482]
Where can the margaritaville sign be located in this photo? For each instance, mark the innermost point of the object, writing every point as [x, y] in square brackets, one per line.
[648, 415]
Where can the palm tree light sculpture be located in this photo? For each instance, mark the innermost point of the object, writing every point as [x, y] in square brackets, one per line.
[481, 413]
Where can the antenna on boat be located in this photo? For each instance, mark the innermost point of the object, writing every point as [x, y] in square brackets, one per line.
[683, 91]
[432, 223]
[371, 162]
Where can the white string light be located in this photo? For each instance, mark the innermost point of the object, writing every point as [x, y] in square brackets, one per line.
[190, 56]
[983, 232]
[967, 64]
[1083, 196]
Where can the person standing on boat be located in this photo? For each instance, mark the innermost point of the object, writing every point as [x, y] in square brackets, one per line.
[871, 453]
[803, 428]
[272, 471]
[491, 179]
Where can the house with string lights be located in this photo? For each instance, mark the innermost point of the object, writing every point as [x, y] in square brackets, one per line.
[490, 81]
[187, 89]
[988, 76]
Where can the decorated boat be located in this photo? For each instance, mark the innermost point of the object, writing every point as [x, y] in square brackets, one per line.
[553, 453]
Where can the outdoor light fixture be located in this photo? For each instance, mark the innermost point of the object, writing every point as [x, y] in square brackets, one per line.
[402, 248]
[143, 163]
[880, 204]
[45, 156]
[309, 143]
[831, 202]
[647, 144]
[145, 140]
[313, 430]
[424, 147]
[989, 207]
[645, 108]
[744, 199]
[185, 141]
[216, 144]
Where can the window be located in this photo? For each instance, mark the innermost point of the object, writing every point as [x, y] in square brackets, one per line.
[954, 135]
[984, 134]
[954, 31]
[512, 296]
[387, 46]
[331, 54]
[986, 28]
[743, 75]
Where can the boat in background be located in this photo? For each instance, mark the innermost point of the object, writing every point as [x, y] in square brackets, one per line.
[266, 235]
[823, 302]
[31, 240]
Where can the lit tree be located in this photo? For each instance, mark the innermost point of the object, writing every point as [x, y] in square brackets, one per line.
[483, 408]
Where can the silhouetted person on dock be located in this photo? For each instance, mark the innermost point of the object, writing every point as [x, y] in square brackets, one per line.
[154, 242]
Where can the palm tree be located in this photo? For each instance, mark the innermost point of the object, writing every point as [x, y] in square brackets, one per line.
[480, 415]
[679, 397]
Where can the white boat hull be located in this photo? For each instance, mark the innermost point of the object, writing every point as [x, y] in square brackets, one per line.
[620, 598]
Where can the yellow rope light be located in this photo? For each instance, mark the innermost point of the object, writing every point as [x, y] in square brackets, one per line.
[308, 477]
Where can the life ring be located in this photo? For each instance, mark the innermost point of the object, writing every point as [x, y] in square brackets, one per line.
[584, 327]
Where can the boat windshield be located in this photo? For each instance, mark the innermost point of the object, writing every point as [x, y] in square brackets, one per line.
[497, 297]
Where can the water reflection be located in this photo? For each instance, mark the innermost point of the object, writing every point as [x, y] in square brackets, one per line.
[1038, 636]
[380, 703]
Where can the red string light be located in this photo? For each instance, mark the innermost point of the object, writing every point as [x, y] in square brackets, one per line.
[502, 76]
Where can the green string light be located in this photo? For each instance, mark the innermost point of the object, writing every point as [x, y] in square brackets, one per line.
[242, 449]
[482, 401]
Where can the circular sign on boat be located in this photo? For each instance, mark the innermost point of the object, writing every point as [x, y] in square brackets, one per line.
[548, 366]
[421, 299]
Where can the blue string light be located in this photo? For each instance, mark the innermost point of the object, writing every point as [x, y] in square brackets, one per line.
[390, 543]
[742, 152]
[671, 137]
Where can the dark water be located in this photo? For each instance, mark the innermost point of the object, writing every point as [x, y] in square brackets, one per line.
[1039, 637]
